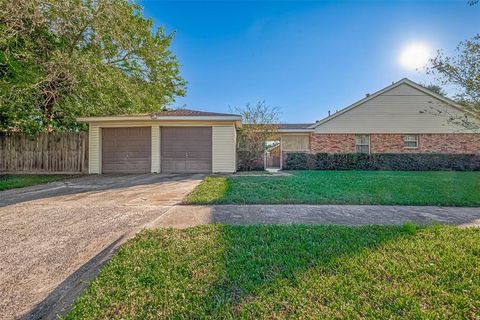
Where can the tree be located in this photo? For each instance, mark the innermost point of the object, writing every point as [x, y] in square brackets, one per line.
[260, 123]
[62, 59]
[462, 72]
[435, 88]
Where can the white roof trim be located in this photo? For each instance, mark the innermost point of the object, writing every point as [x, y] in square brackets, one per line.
[390, 87]
[162, 118]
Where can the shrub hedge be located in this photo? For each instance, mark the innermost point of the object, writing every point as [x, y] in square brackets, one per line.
[249, 160]
[382, 161]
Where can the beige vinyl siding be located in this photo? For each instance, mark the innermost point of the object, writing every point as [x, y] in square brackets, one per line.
[94, 150]
[223, 142]
[223, 148]
[155, 149]
[405, 90]
[295, 142]
[235, 164]
[399, 110]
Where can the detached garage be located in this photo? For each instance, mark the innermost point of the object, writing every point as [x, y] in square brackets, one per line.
[172, 141]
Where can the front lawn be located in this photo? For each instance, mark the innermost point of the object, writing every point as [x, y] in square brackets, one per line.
[19, 181]
[319, 272]
[343, 187]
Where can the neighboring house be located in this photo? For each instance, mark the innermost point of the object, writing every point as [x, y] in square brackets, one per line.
[172, 141]
[397, 119]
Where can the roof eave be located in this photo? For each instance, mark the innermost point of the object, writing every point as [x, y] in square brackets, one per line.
[294, 130]
[160, 118]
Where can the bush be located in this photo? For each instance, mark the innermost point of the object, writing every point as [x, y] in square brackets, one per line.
[250, 160]
[382, 161]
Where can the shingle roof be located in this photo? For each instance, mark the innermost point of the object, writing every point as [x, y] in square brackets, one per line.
[188, 113]
[294, 125]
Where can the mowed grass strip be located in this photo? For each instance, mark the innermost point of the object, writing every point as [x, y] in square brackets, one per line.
[321, 272]
[19, 181]
[343, 187]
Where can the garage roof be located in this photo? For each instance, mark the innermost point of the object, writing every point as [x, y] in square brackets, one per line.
[188, 112]
[178, 114]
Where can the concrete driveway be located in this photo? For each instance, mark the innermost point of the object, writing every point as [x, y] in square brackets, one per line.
[55, 237]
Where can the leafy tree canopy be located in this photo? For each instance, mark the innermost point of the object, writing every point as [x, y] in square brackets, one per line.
[435, 88]
[462, 71]
[62, 59]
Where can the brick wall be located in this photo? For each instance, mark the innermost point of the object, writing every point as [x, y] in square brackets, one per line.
[332, 143]
[450, 143]
[389, 143]
[457, 143]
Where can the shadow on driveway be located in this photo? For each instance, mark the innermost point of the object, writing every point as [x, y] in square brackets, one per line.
[59, 301]
[55, 234]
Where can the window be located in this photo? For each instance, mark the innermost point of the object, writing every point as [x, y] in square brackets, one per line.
[362, 142]
[411, 141]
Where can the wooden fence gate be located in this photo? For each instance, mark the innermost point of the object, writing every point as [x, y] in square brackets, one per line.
[272, 157]
[65, 152]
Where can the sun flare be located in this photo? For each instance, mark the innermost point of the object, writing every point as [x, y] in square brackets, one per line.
[415, 56]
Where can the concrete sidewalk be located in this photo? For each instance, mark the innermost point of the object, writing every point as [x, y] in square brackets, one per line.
[183, 216]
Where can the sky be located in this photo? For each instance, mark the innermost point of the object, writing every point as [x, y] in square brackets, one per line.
[305, 57]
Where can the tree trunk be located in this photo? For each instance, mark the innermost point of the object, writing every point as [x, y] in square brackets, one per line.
[48, 109]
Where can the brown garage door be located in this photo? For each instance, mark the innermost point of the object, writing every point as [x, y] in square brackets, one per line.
[186, 149]
[126, 150]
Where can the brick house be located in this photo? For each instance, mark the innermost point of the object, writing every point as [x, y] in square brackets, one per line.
[401, 118]
[397, 119]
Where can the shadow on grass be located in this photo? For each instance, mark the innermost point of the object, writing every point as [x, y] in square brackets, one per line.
[262, 258]
[297, 271]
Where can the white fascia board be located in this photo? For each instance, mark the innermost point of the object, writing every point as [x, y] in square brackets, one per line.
[162, 118]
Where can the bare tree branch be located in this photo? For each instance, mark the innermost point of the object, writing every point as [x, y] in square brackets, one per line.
[260, 125]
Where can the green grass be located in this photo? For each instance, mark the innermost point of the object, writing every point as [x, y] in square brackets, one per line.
[343, 187]
[319, 272]
[20, 181]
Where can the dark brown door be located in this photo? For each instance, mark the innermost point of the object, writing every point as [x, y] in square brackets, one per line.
[126, 150]
[186, 149]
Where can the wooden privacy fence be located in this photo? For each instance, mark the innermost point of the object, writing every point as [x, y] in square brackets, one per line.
[46, 152]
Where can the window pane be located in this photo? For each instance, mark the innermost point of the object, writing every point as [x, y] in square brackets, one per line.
[362, 149]
[362, 139]
[411, 144]
[362, 142]
[411, 141]
[410, 137]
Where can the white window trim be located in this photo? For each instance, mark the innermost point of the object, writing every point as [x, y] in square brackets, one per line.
[369, 142]
[405, 141]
